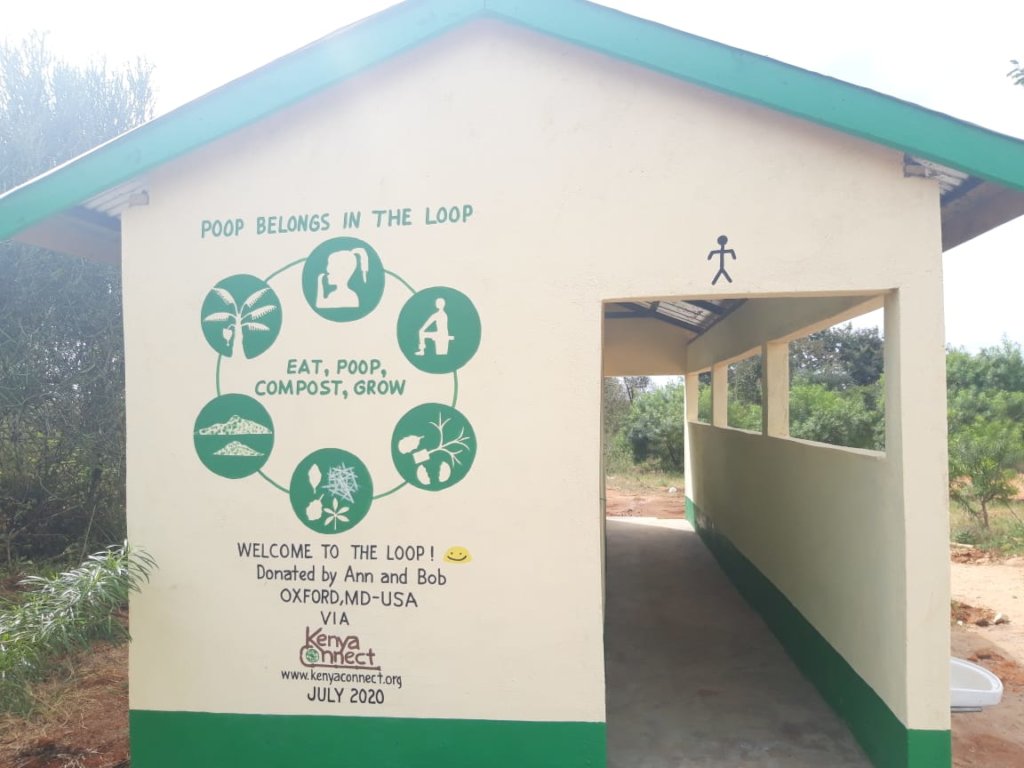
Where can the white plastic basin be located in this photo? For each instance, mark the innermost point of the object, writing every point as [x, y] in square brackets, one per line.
[972, 686]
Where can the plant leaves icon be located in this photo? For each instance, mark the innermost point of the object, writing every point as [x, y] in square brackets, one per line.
[315, 477]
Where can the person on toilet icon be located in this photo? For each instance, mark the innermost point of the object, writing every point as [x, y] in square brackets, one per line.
[435, 330]
[332, 291]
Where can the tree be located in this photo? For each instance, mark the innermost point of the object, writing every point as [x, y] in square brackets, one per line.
[839, 417]
[993, 369]
[745, 382]
[654, 427]
[1017, 73]
[61, 358]
[835, 396]
[615, 410]
[51, 111]
[986, 425]
[838, 357]
[704, 397]
[987, 386]
[982, 460]
[636, 385]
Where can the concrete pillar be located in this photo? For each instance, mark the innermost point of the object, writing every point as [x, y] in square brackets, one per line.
[692, 393]
[915, 439]
[775, 389]
[692, 382]
[720, 395]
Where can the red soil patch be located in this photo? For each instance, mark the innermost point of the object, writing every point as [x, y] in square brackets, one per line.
[961, 553]
[1007, 670]
[993, 738]
[82, 719]
[962, 613]
[653, 503]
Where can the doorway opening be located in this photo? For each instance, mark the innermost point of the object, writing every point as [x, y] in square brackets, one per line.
[694, 675]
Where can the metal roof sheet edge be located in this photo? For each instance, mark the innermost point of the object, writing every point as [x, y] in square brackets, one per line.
[824, 100]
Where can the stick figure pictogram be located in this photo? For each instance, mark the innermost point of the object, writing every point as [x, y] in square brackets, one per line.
[721, 252]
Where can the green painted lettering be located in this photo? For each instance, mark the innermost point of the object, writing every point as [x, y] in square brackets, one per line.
[221, 227]
[298, 366]
[450, 214]
[393, 217]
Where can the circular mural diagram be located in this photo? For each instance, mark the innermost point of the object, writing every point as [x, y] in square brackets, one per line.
[343, 280]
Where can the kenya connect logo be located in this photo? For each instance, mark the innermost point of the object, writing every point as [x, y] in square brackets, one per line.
[322, 649]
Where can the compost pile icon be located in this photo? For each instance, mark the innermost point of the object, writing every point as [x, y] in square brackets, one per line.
[433, 445]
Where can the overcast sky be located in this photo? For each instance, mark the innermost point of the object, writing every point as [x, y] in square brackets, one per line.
[948, 56]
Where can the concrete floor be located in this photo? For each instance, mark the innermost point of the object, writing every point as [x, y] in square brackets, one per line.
[694, 677]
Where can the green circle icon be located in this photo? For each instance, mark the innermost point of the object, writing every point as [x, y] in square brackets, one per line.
[241, 315]
[433, 446]
[343, 279]
[439, 330]
[331, 490]
[233, 436]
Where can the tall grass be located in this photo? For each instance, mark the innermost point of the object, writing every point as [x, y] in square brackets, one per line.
[64, 613]
[1004, 536]
[640, 479]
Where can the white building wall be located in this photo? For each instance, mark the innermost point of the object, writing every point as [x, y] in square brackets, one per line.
[590, 180]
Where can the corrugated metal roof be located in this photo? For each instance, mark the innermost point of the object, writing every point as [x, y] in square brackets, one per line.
[951, 181]
[693, 315]
[114, 201]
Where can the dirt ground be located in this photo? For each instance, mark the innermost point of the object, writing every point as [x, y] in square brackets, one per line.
[990, 632]
[661, 504]
[85, 725]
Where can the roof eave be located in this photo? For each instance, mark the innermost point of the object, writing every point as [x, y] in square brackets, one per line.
[823, 100]
[982, 208]
[241, 102]
[77, 232]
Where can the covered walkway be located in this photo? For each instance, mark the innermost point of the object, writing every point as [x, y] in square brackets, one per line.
[694, 677]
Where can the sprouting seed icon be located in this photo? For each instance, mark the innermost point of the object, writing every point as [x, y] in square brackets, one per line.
[451, 447]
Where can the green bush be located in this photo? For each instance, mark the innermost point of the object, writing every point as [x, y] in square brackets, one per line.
[64, 613]
[61, 346]
[618, 455]
[745, 416]
[654, 427]
[848, 417]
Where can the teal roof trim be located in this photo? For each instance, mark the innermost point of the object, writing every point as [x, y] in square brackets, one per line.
[829, 102]
[239, 103]
[821, 99]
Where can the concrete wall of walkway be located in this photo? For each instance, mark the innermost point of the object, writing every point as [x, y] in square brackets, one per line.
[848, 537]
[824, 525]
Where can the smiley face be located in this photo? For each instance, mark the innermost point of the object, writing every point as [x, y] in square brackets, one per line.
[457, 555]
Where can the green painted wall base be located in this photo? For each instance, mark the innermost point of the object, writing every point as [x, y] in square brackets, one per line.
[208, 740]
[885, 739]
